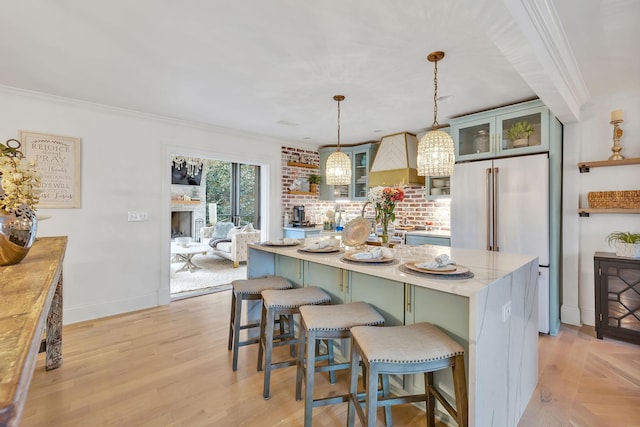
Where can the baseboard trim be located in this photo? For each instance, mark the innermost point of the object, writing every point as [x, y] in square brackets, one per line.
[86, 312]
[589, 316]
[570, 315]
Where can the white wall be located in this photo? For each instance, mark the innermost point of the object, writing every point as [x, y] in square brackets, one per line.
[111, 265]
[591, 140]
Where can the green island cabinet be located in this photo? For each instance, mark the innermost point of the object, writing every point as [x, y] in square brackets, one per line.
[345, 286]
[428, 305]
[361, 156]
[486, 134]
[500, 355]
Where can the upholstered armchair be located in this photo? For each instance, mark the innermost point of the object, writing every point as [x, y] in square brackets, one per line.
[230, 242]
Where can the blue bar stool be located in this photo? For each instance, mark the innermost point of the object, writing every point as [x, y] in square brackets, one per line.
[328, 322]
[275, 304]
[248, 290]
[410, 349]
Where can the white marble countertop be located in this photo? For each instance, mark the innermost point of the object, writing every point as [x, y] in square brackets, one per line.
[291, 227]
[434, 233]
[486, 266]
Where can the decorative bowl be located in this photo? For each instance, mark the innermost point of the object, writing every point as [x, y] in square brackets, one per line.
[183, 241]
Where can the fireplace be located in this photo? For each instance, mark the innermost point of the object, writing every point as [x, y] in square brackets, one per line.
[182, 224]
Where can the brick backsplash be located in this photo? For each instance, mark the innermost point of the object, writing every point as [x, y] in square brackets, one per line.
[415, 207]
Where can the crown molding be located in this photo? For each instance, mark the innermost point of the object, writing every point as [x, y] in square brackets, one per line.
[557, 80]
[545, 20]
[147, 116]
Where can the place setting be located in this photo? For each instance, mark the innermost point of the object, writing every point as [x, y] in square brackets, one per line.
[326, 246]
[287, 241]
[441, 267]
[373, 255]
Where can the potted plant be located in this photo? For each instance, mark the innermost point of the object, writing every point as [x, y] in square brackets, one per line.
[314, 181]
[627, 244]
[519, 133]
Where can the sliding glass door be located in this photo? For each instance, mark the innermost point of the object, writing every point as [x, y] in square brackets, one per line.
[235, 189]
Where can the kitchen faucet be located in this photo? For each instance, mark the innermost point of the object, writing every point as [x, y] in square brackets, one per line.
[364, 207]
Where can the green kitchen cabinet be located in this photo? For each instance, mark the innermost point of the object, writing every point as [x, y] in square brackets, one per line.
[361, 156]
[487, 135]
[290, 268]
[383, 294]
[331, 279]
[450, 313]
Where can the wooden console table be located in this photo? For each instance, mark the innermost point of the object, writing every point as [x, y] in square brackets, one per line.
[30, 300]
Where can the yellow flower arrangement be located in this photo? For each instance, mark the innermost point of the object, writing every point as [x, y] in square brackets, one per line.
[18, 178]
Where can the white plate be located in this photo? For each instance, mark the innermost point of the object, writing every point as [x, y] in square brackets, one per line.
[321, 250]
[382, 260]
[458, 269]
[356, 232]
[280, 243]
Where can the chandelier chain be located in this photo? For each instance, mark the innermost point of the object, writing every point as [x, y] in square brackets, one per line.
[435, 124]
[338, 125]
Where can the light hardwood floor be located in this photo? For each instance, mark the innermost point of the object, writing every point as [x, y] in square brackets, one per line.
[169, 366]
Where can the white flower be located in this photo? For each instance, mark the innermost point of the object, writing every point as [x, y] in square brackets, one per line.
[375, 194]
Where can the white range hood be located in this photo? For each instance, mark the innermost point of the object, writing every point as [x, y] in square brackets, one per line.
[395, 162]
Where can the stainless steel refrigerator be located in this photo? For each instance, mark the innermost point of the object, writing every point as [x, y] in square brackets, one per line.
[503, 205]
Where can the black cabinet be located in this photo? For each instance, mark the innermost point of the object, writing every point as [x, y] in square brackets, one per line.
[617, 292]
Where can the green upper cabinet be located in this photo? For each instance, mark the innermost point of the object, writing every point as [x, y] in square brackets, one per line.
[513, 130]
[361, 159]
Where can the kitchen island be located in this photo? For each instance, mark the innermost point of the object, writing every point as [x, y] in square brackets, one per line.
[493, 315]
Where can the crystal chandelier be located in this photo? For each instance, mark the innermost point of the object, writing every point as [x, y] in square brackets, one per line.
[338, 167]
[435, 149]
[193, 164]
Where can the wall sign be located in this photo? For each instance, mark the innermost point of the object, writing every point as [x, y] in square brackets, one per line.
[58, 160]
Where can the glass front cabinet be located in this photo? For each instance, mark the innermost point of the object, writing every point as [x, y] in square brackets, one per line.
[361, 159]
[513, 130]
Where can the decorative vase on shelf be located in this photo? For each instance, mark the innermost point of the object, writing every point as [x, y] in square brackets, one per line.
[481, 142]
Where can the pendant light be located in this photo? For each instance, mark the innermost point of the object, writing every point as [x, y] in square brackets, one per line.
[435, 149]
[338, 168]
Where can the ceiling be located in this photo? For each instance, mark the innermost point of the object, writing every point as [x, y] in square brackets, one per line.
[273, 67]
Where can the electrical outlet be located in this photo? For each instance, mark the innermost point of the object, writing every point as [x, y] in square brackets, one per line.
[506, 311]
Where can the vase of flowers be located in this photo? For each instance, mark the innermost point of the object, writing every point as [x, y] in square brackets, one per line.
[384, 200]
[19, 196]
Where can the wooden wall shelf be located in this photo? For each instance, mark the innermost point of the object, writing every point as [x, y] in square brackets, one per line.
[302, 193]
[587, 211]
[186, 202]
[585, 166]
[302, 165]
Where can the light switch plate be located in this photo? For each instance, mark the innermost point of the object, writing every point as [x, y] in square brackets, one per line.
[135, 216]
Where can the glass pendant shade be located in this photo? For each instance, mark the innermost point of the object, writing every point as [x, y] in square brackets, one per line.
[338, 169]
[435, 154]
[435, 150]
[338, 166]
